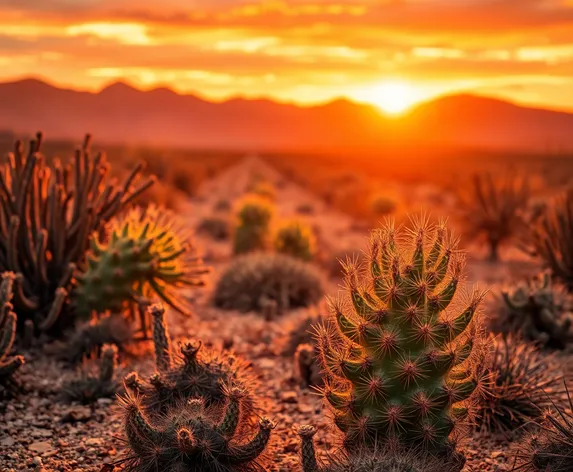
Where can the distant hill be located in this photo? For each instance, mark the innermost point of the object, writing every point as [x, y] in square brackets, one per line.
[120, 113]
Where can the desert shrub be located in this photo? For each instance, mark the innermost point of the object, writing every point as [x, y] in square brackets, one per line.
[521, 381]
[401, 357]
[252, 231]
[537, 309]
[382, 205]
[495, 209]
[552, 239]
[550, 449]
[295, 239]
[46, 235]
[251, 279]
[216, 227]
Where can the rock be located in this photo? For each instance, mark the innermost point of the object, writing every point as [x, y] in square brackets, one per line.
[94, 442]
[40, 447]
[7, 442]
[290, 396]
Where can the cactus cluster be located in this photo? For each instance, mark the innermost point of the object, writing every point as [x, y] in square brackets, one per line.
[495, 208]
[400, 362]
[195, 372]
[253, 219]
[253, 279]
[94, 383]
[49, 212]
[8, 364]
[552, 239]
[295, 239]
[148, 253]
[537, 309]
[191, 437]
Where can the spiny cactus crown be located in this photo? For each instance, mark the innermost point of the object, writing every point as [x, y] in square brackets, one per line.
[8, 321]
[399, 365]
[149, 252]
[190, 437]
[295, 239]
[197, 372]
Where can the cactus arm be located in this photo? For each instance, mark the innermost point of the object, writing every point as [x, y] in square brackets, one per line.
[161, 340]
[307, 450]
[254, 448]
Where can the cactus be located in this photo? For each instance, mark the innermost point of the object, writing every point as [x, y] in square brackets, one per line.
[253, 279]
[382, 205]
[495, 208]
[149, 253]
[302, 331]
[520, 379]
[295, 239]
[536, 309]
[48, 215]
[552, 239]
[191, 437]
[90, 386]
[254, 215]
[550, 449]
[399, 366]
[196, 373]
[8, 321]
[366, 460]
[307, 370]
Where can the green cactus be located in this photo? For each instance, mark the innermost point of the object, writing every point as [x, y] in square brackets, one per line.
[400, 364]
[92, 385]
[537, 309]
[149, 253]
[191, 437]
[197, 372]
[377, 460]
[295, 239]
[8, 364]
[252, 231]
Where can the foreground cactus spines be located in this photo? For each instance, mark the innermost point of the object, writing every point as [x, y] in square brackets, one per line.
[8, 364]
[148, 253]
[49, 214]
[192, 372]
[191, 437]
[400, 364]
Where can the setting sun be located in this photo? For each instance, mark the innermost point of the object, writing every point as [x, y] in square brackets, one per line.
[393, 97]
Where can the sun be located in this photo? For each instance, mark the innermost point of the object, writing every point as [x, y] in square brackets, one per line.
[393, 98]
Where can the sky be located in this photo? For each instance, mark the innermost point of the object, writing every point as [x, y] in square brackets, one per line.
[304, 51]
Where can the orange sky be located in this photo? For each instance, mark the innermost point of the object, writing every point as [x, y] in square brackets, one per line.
[297, 50]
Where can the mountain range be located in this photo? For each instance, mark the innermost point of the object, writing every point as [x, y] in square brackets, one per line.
[121, 113]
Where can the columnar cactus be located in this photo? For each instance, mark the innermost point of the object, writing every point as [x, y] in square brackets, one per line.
[399, 365]
[196, 372]
[537, 309]
[8, 364]
[295, 239]
[48, 214]
[253, 215]
[148, 253]
[193, 438]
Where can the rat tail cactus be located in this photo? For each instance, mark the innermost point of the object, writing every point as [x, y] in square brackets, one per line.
[193, 438]
[399, 355]
[148, 253]
[8, 364]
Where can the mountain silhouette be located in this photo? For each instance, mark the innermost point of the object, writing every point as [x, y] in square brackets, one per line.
[120, 113]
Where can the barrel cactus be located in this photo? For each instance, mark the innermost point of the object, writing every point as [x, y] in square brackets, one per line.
[8, 364]
[148, 253]
[295, 239]
[253, 215]
[400, 364]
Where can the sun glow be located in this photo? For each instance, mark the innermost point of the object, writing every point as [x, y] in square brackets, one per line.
[392, 97]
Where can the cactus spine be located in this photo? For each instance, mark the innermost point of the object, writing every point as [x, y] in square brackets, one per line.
[398, 366]
[8, 321]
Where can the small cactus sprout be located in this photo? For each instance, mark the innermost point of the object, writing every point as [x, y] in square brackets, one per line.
[537, 310]
[191, 372]
[192, 437]
[252, 231]
[550, 448]
[295, 239]
[521, 379]
[367, 460]
[251, 280]
[8, 364]
[306, 368]
[149, 253]
[552, 239]
[496, 208]
[94, 384]
[400, 352]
